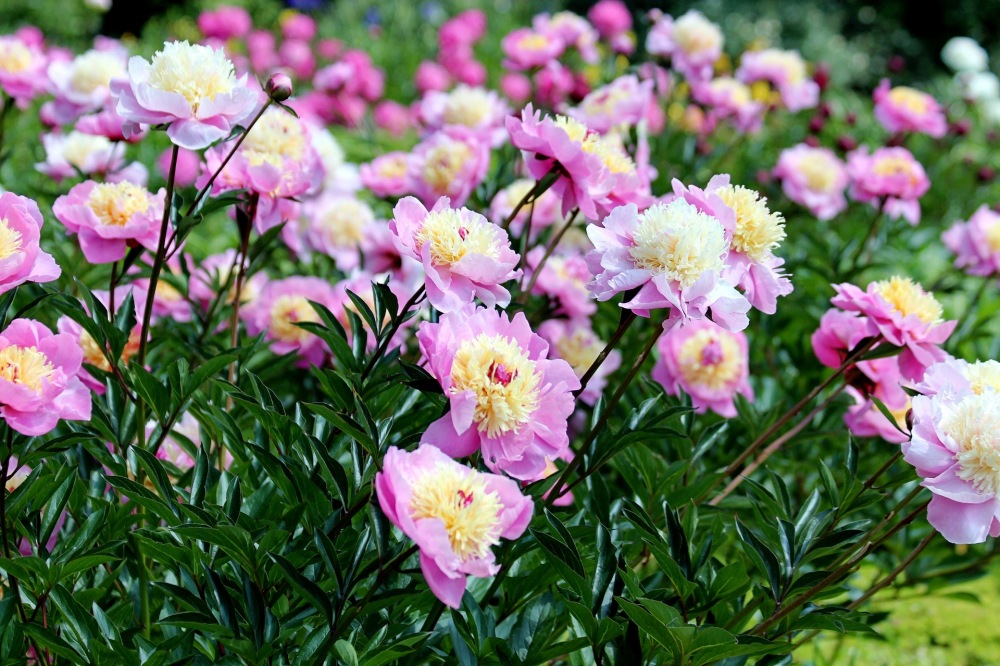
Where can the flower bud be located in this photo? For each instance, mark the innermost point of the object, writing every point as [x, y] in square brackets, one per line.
[279, 87]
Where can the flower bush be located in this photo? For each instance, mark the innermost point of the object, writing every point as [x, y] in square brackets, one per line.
[576, 339]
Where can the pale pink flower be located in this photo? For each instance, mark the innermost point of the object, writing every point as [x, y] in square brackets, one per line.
[21, 258]
[108, 217]
[527, 49]
[708, 363]
[169, 301]
[382, 256]
[192, 88]
[452, 512]
[217, 271]
[516, 87]
[624, 101]
[574, 341]
[336, 226]
[903, 109]
[905, 315]
[692, 42]
[431, 76]
[463, 29]
[479, 110]
[83, 84]
[449, 163]
[284, 303]
[572, 30]
[976, 243]
[463, 254]
[392, 117]
[187, 170]
[889, 178]
[387, 175]
[729, 99]
[785, 71]
[22, 68]
[563, 281]
[507, 398]
[109, 124]
[38, 378]
[67, 155]
[675, 255]
[815, 178]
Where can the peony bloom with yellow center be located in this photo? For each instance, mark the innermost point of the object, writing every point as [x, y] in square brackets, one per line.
[464, 255]
[692, 42]
[453, 513]
[70, 154]
[92, 353]
[286, 313]
[114, 204]
[10, 240]
[907, 298]
[449, 163]
[336, 226]
[983, 376]
[192, 88]
[679, 242]
[38, 378]
[758, 230]
[889, 179]
[904, 109]
[387, 175]
[815, 178]
[576, 343]
[22, 68]
[507, 399]
[284, 303]
[784, 72]
[474, 108]
[708, 363]
[620, 104]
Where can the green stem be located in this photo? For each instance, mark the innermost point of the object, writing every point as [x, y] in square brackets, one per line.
[416, 298]
[627, 318]
[549, 249]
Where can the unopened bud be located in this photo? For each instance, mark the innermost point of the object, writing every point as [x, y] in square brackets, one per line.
[987, 174]
[846, 143]
[279, 87]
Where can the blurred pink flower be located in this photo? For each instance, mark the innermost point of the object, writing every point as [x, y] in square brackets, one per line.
[188, 166]
[543, 213]
[284, 303]
[452, 512]
[387, 175]
[516, 87]
[38, 381]
[431, 76]
[903, 109]
[573, 341]
[336, 226]
[729, 99]
[785, 71]
[214, 272]
[297, 26]
[976, 243]
[21, 258]
[507, 398]
[463, 29]
[815, 178]
[692, 42]
[563, 280]
[478, 110]
[449, 163]
[708, 363]
[611, 18]
[22, 68]
[83, 84]
[622, 102]
[392, 117]
[890, 178]
[67, 155]
[225, 22]
[527, 49]
[570, 29]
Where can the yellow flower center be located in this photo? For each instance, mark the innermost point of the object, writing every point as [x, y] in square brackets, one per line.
[93, 355]
[79, 146]
[503, 378]
[679, 241]
[10, 239]
[609, 148]
[194, 71]
[114, 204]
[758, 230]
[974, 424]
[443, 163]
[738, 92]
[575, 130]
[26, 366]
[451, 237]
[394, 167]
[94, 70]
[710, 359]
[908, 298]
[276, 136]
[15, 57]
[467, 106]
[343, 223]
[983, 376]
[288, 311]
[580, 350]
[603, 102]
[459, 499]
[912, 100]
[819, 171]
[993, 236]
[534, 41]
[694, 34]
[789, 62]
[893, 165]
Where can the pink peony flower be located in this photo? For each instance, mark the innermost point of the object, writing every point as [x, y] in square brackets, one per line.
[903, 109]
[431, 76]
[452, 512]
[22, 68]
[190, 87]
[890, 178]
[879, 378]
[298, 26]
[107, 217]
[729, 99]
[624, 101]
[675, 255]
[464, 29]
[66, 155]
[83, 84]
[38, 382]
[576, 343]
[815, 178]
[516, 87]
[708, 363]
[554, 83]
[953, 447]
[168, 301]
[507, 398]
[261, 48]
[463, 254]
[393, 117]
[570, 29]
[692, 42]
[284, 303]
[611, 18]
[449, 163]
[21, 258]
[526, 49]
[387, 175]
[786, 72]
[297, 56]
[92, 352]
[109, 124]
[478, 110]
[225, 22]
[336, 226]
[838, 335]
[563, 280]
[905, 315]
[188, 167]
[382, 256]
[976, 243]
[215, 272]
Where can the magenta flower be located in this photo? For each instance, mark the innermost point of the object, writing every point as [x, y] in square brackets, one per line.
[786, 72]
[507, 398]
[905, 315]
[21, 258]
[976, 243]
[611, 18]
[903, 109]
[708, 363]
[623, 101]
[815, 178]
[107, 217]
[479, 110]
[38, 382]
[839, 334]
[284, 303]
[954, 448]
[450, 163]
[190, 87]
[526, 49]
[386, 175]
[729, 99]
[889, 177]
[575, 342]
[675, 255]
[572, 30]
[225, 22]
[692, 42]
[563, 280]
[22, 68]
[452, 512]
[463, 254]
